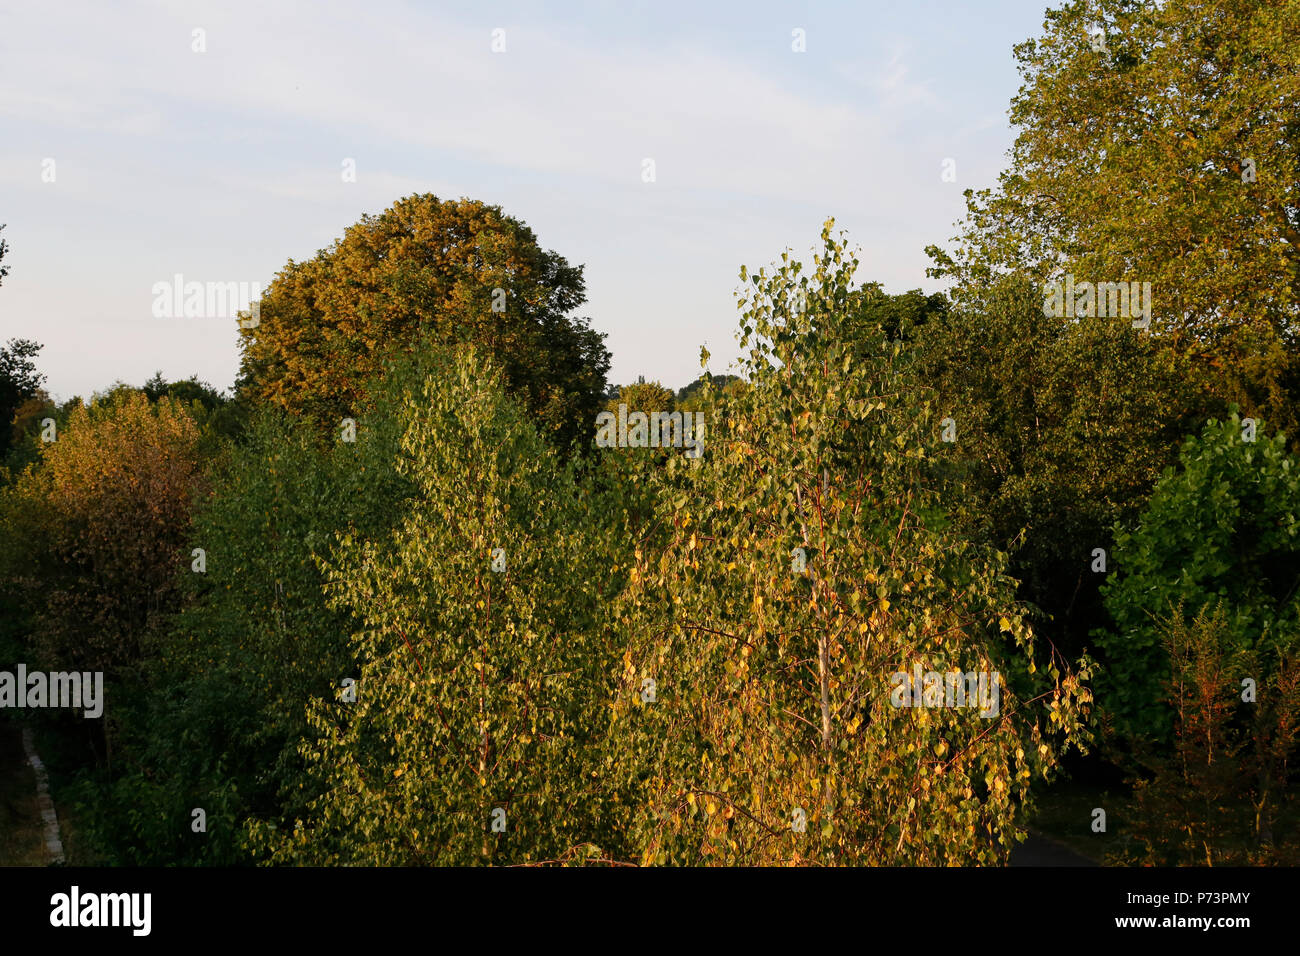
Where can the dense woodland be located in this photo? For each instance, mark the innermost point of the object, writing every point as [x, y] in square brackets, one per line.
[384, 601]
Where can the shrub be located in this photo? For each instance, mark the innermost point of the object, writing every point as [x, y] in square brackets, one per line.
[1223, 527]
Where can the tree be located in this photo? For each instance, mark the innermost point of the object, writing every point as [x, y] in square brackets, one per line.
[1060, 428]
[254, 642]
[454, 271]
[1162, 150]
[643, 396]
[186, 390]
[219, 416]
[24, 434]
[19, 381]
[105, 510]
[91, 538]
[788, 574]
[1222, 527]
[900, 317]
[688, 396]
[483, 667]
[4, 247]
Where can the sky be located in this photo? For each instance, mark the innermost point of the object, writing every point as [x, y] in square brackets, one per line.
[128, 155]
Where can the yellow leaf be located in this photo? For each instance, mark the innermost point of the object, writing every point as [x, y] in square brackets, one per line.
[1004, 624]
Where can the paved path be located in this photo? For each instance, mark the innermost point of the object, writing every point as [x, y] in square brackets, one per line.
[1040, 851]
[53, 841]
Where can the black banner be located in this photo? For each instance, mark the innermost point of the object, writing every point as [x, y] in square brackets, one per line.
[672, 907]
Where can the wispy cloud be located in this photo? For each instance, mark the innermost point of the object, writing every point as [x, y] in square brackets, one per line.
[231, 158]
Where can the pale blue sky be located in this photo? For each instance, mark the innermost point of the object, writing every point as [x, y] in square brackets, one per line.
[223, 165]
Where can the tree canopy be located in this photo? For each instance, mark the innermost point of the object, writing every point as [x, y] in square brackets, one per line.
[1223, 527]
[787, 576]
[1158, 142]
[426, 269]
[19, 382]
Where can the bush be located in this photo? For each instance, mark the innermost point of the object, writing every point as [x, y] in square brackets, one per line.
[1223, 527]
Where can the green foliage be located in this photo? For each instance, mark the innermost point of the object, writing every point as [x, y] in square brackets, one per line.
[678, 655]
[900, 317]
[476, 690]
[1224, 527]
[22, 522]
[91, 537]
[1062, 429]
[220, 418]
[255, 641]
[94, 530]
[1132, 164]
[199, 396]
[25, 433]
[643, 396]
[773, 683]
[427, 270]
[689, 397]
[19, 382]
